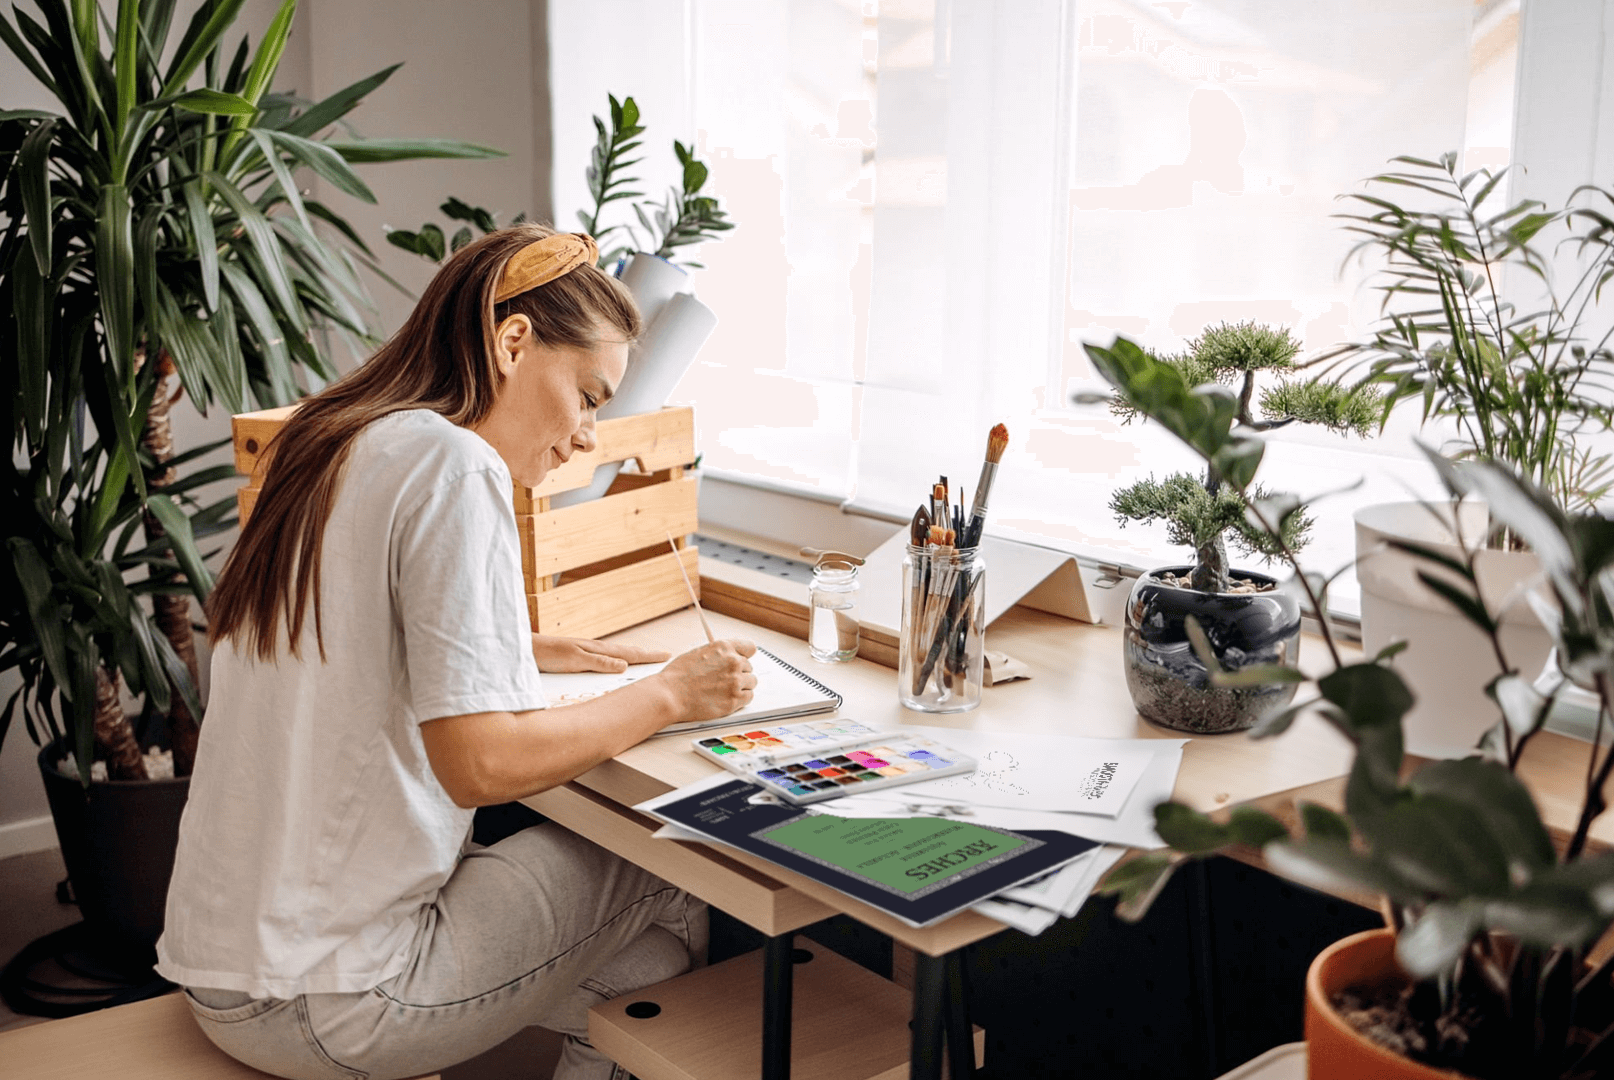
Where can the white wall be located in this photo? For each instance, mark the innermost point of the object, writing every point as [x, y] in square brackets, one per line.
[475, 70]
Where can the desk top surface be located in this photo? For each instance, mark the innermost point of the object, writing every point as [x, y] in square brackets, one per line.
[1077, 688]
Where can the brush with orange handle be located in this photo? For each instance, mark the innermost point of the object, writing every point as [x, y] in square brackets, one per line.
[996, 442]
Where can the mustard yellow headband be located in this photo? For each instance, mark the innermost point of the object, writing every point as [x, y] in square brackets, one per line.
[543, 261]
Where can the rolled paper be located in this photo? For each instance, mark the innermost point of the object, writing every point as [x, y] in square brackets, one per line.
[653, 281]
[656, 363]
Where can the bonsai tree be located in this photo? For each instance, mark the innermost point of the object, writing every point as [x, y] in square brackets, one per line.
[1205, 512]
[153, 234]
[1522, 387]
[1493, 923]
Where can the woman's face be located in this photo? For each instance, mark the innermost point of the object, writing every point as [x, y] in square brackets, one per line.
[544, 411]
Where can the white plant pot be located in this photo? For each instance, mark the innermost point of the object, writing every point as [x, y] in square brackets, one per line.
[1448, 661]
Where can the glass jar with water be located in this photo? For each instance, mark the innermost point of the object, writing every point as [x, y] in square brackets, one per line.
[832, 630]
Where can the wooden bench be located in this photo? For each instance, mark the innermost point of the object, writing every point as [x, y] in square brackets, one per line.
[148, 1040]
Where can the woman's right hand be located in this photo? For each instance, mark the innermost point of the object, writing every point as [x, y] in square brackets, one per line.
[712, 681]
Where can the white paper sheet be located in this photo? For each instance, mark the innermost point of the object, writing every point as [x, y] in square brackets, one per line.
[1039, 772]
[1134, 827]
[1021, 917]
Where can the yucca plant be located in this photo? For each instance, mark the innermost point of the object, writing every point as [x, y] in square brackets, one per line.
[153, 230]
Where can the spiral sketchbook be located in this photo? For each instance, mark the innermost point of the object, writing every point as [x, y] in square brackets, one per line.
[783, 690]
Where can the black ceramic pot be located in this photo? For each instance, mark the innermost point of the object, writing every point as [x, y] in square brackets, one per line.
[118, 840]
[1171, 686]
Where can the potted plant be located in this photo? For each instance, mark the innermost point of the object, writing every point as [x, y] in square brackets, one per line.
[154, 234]
[1513, 378]
[1483, 968]
[676, 324]
[1246, 617]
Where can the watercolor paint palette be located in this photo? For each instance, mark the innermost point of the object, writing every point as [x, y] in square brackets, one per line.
[810, 761]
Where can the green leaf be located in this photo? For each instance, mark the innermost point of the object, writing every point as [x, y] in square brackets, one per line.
[201, 37]
[1431, 944]
[1255, 827]
[1368, 695]
[34, 323]
[1189, 831]
[1470, 606]
[1259, 675]
[178, 528]
[1278, 721]
[380, 150]
[33, 174]
[1138, 882]
[431, 242]
[1431, 554]
[325, 162]
[1499, 805]
[1432, 841]
[179, 677]
[1331, 866]
[34, 577]
[1323, 824]
[115, 277]
[338, 105]
[208, 102]
[207, 248]
[1524, 708]
[124, 59]
[1390, 651]
[263, 241]
[283, 178]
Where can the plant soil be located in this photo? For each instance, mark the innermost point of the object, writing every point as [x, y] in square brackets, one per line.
[1234, 585]
[1408, 1020]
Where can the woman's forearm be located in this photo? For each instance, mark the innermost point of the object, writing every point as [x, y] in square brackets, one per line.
[483, 759]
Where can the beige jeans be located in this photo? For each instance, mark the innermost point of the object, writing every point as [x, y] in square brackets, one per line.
[533, 930]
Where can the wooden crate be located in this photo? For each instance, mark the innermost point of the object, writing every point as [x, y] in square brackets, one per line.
[589, 569]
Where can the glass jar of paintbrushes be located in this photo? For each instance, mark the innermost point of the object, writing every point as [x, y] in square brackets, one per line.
[940, 659]
[941, 654]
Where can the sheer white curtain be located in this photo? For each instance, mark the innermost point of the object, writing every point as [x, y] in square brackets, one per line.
[777, 96]
[941, 200]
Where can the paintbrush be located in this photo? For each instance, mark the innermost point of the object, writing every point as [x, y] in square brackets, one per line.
[679, 559]
[996, 443]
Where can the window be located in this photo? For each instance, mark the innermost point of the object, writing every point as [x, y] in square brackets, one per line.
[941, 200]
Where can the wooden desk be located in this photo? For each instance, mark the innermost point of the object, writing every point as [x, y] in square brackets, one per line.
[1077, 688]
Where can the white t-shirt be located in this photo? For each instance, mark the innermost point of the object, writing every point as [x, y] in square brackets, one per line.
[316, 835]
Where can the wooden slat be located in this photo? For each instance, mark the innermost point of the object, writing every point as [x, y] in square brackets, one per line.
[616, 599]
[252, 432]
[579, 535]
[750, 896]
[246, 497]
[657, 440]
[847, 1023]
[157, 1039]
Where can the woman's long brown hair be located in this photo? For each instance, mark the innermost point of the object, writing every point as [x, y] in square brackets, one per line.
[443, 360]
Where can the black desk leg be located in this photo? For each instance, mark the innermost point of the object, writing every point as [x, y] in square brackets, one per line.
[960, 1038]
[776, 1004]
[929, 999]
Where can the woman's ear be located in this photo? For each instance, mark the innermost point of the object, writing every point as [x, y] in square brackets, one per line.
[510, 341]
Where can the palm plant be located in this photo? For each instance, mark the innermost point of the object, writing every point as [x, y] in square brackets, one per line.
[153, 230]
[1521, 387]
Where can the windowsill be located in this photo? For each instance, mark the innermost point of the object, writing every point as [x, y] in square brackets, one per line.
[771, 518]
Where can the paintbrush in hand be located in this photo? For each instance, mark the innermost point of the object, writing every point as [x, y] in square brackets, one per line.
[693, 599]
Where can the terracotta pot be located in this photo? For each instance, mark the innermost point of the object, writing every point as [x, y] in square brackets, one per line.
[1335, 1049]
[1448, 661]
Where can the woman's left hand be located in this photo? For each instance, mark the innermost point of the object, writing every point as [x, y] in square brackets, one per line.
[560, 654]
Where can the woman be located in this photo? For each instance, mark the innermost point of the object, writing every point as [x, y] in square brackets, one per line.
[374, 680]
